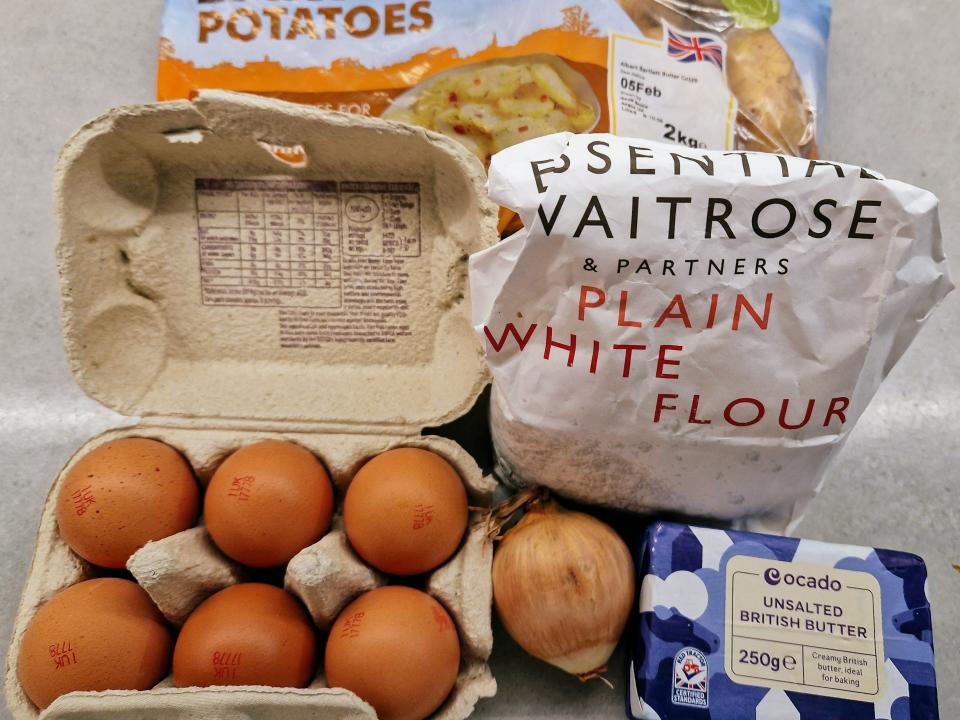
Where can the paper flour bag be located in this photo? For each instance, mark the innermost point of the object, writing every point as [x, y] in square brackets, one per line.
[694, 331]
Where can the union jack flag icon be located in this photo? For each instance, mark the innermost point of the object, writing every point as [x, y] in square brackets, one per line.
[694, 48]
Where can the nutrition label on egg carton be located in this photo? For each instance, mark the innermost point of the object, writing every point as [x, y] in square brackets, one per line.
[291, 243]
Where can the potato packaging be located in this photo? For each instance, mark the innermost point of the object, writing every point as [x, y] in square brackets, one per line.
[737, 625]
[692, 331]
[733, 74]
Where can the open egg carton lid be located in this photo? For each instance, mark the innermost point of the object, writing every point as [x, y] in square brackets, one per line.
[244, 259]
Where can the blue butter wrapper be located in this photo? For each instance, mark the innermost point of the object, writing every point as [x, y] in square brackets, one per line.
[742, 626]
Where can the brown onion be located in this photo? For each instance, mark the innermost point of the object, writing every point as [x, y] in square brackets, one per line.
[563, 583]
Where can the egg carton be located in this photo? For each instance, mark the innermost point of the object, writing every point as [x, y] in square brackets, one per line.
[182, 570]
[147, 335]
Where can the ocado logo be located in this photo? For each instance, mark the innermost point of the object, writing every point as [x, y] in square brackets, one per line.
[772, 576]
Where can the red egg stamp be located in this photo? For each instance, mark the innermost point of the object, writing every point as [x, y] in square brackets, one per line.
[241, 487]
[63, 654]
[422, 516]
[226, 665]
[82, 499]
[351, 626]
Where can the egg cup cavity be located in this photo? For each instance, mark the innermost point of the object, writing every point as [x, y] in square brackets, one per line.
[120, 186]
[474, 683]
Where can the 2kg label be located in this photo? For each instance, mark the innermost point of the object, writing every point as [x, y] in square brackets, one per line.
[674, 134]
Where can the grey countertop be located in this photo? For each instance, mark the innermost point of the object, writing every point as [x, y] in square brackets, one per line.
[894, 103]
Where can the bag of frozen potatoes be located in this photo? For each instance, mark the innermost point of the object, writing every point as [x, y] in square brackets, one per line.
[701, 73]
[694, 331]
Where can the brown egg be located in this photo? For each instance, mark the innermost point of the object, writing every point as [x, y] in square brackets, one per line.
[103, 634]
[396, 648]
[123, 494]
[248, 634]
[406, 511]
[267, 502]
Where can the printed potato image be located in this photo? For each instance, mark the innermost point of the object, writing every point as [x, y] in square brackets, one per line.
[492, 105]
[775, 113]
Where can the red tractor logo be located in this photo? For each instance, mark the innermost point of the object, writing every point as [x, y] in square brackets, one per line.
[691, 668]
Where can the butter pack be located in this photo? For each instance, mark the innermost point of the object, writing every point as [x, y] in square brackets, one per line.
[737, 625]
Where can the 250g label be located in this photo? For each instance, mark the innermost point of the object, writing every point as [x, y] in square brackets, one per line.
[768, 660]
